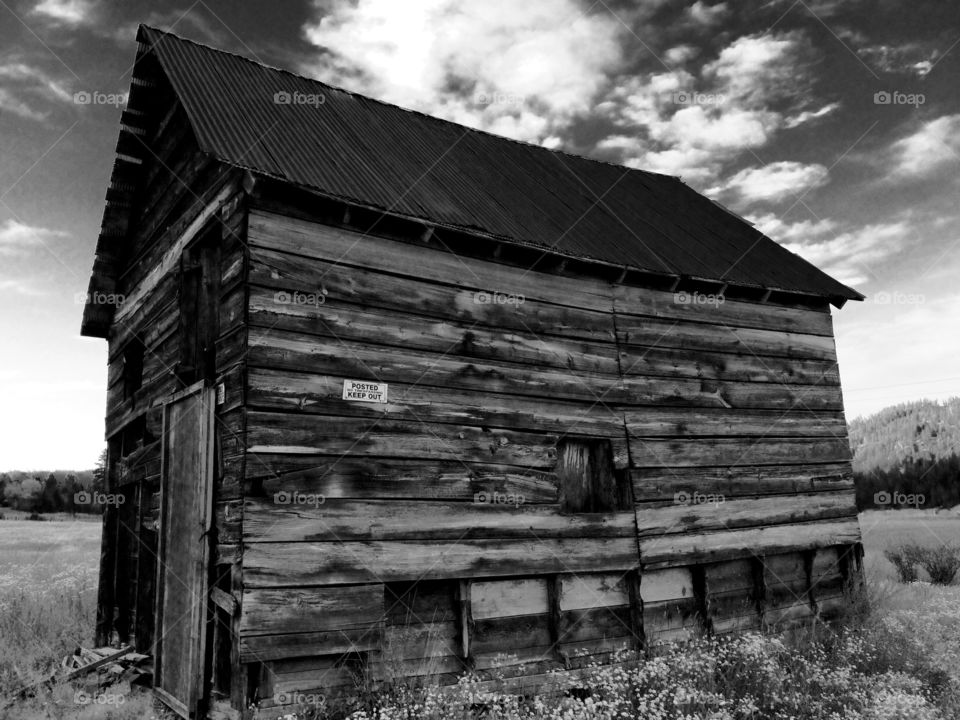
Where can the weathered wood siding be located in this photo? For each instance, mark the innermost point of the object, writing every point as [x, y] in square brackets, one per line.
[725, 422]
[182, 193]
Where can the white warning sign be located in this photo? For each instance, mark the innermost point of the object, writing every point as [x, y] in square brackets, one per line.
[364, 391]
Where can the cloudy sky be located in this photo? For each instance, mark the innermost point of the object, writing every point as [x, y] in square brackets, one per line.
[834, 125]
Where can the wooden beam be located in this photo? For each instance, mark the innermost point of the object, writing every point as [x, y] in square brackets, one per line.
[99, 663]
[225, 601]
[249, 182]
[633, 579]
[464, 621]
[554, 590]
[700, 590]
[170, 259]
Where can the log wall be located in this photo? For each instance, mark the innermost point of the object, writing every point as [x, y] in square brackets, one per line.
[182, 195]
[734, 504]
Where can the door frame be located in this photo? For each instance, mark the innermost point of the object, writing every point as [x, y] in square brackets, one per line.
[201, 619]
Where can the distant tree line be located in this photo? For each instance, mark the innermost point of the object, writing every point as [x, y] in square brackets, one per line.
[908, 455]
[54, 491]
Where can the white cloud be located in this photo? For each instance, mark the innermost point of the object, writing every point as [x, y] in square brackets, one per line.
[774, 182]
[908, 58]
[67, 12]
[680, 54]
[848, 257]
[692, 125]
[35, 80]
[928, 150]
[756, 70]
[706, 15]
[19, 287]
[808, 115]
[11, 103]
[801, 231]
[17, 237]
[519, 69]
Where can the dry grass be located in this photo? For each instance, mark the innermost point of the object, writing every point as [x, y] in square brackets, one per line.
[48, 594]
[903, 662]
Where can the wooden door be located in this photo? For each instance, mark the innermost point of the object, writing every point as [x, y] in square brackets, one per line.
[184, 550]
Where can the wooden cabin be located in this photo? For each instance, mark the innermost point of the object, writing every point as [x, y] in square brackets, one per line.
[389, 396]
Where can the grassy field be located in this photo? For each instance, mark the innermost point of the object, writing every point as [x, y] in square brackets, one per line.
[48, 597]
[48, 576]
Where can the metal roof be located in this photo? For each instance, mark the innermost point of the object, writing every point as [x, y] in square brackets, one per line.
[368, 152]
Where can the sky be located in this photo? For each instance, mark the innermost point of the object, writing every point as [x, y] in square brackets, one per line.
[833, 125]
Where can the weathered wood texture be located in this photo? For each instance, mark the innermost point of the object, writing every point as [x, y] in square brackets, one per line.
[456, 478]
[181, 196]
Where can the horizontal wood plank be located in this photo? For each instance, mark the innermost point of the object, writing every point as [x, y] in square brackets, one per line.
[687, 392]
[631, 300]
[278, 309]
[284, 519]
[296, 434]
[665, 585]
[397, 478]
[344, 640]
[280, 350]
[699, 337]
[665, 483]
[506, 598]
[322, 394]
[266, 612]
[331, 563]
[732, 422]
[689, 548]
[310, 239]
[730, 452]
[591, 590]
[666, 361]
[339, 282]
[701, 513]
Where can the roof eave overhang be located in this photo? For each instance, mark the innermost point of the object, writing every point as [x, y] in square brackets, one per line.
[261, 179]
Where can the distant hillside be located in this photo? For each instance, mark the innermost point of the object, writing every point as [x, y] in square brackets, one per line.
[910, 449]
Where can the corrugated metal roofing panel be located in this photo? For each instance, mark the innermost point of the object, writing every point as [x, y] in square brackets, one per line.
[404, 162]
